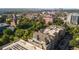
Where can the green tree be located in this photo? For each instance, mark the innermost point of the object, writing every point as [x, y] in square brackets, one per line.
[76, 30]
[24, 23]
[25, 36]
[28, 34]
[8, 32]
[75, 41]
[5, 39]
[1, 42]
[11, 37]
[58, 21]
[19, 33]
[3, 18]
[8, 21]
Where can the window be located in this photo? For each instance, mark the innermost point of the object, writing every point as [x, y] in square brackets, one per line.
[47, 41]
[37, 37]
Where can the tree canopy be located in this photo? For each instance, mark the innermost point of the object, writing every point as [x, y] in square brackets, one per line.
[8, 32]
[19, 33]
[58, 21]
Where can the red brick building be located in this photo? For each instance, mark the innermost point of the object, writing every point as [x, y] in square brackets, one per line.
[48, 18]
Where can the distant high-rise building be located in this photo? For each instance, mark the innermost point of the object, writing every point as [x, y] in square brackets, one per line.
[73, 18]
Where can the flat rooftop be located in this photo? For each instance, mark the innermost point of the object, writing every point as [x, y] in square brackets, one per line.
[21, 45]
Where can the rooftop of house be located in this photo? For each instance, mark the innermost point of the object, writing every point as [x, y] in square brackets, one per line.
[3, 25]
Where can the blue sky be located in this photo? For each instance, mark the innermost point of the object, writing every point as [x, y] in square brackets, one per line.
[39, 4]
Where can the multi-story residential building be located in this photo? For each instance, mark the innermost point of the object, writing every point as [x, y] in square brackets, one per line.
[73, 18]
[50, 36]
